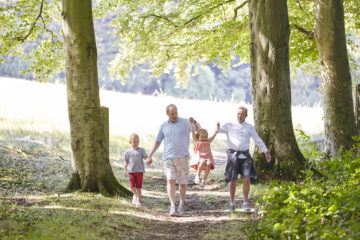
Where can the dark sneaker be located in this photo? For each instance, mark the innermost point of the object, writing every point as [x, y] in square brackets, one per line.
[172, 211]
[232, 208]
[181, 209]
[245, 206]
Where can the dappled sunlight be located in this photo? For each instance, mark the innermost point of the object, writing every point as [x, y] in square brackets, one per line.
[154, 194]
[181, 219]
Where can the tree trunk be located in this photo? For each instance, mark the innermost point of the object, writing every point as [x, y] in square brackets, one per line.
[335, 75]
[270, 77]
[91, 166]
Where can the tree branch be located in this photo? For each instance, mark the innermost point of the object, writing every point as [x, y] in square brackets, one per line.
[210, 9]
[160, 17]
[237, 8]
[310, 34]
[47, 30]
[301, 8]
[183, 45]
[22, 39]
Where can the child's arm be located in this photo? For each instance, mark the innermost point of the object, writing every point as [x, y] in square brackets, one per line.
[216, 131]
[125, 169]
[192, 129]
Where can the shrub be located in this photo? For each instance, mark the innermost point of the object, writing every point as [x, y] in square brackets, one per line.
[323, 207]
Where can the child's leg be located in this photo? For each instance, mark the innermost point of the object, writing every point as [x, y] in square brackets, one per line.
[201, 166]
[139, 180]
[138, 194]
[133, 189]
[207, 170]
[132, 183]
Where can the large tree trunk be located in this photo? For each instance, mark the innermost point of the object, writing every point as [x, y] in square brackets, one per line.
[92, 170]
[270, 77]
[335, 74]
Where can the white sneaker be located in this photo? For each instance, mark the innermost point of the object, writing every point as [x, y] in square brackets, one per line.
[197, 179]
[138, 205]
[181, 209]
[134, 200]
[172, 211]
[232, 208]
[245, 206]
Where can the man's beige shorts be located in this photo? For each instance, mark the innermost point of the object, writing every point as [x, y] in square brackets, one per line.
[177, 169]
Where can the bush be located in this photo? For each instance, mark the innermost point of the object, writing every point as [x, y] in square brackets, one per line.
[323, 207]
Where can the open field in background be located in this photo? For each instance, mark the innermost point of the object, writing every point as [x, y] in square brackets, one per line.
[44, 106]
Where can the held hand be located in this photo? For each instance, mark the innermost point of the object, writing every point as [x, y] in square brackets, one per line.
[217, 125]
[191, 119]
[149, 160]
[268, 157]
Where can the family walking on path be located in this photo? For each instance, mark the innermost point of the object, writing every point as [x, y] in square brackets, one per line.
[175, 132]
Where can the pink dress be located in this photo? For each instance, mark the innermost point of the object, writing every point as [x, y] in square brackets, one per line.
[203, 151]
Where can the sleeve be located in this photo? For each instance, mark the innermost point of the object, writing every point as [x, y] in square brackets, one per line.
[257, 139]
[127, 157]
[224, 128]
[144, 154]
[160, 136]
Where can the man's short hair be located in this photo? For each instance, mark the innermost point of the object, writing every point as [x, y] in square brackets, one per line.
[169, 106]
[243, 108]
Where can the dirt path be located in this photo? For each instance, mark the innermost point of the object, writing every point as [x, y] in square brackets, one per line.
[32, 199]
[207, 215]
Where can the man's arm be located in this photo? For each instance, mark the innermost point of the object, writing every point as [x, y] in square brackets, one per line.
[260, 144]
[192, 129]
[153, 150]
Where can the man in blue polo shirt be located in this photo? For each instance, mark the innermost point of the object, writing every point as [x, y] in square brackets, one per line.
[176, 135]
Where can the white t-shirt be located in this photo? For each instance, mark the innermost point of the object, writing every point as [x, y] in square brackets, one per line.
[239, 134]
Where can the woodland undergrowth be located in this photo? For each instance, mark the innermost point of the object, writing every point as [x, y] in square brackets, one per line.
[324, 205]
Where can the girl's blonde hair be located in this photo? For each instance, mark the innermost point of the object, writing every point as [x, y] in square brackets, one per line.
[201, 131]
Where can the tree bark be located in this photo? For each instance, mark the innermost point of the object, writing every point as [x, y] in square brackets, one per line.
[339, 116]
[91, 165]
[270, 77]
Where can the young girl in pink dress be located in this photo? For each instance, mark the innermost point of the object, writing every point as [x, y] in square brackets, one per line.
[202, 150]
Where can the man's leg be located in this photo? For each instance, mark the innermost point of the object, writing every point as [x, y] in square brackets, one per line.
[182, 190]
[171, 191]
[232, 188]
[246, 188]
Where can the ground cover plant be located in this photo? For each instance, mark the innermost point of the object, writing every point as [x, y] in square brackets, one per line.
[324, 205]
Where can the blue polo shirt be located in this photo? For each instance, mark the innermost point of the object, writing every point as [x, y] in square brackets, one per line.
[176, 138]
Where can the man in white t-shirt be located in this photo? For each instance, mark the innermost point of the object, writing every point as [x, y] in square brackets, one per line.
[239, 160]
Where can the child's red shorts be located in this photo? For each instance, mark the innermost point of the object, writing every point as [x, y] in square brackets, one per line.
[136, 179]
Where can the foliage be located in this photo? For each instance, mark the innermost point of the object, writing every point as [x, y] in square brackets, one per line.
[168, 34]
[303, 49]
[27, 30]
[317, 208]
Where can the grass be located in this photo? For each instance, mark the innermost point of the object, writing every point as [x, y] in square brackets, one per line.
[35, 167]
